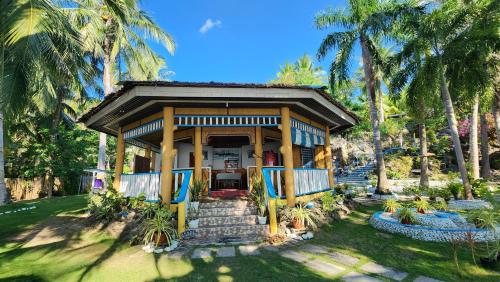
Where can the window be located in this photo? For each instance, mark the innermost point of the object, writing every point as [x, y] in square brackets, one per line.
[307, 155]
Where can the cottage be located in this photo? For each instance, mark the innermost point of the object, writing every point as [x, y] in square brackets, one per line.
[222, 133]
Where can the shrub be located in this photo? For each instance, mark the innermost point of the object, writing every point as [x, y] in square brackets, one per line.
[302, 216]
[456, 189]
[432, 193]
[327, 202]
[480, 189]
[406, 216]
[413, 190]
[399, 167]
[445, 194]
[440, 205]
[484, 218]
[196, 189]
[258, 195]
[391, 205]
[105, 206]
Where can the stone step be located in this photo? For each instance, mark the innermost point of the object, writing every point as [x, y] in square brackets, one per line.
[224, 212]
[228, 220]
[224, 240]
[225, 204]
[219, 232]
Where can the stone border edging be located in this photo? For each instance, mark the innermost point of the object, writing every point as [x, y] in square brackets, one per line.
[18, 210]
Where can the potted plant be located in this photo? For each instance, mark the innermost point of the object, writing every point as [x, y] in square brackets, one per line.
[406, 216]
[487, 219]
[158, 229]
[422, 205]
[193, 220]
[195, 191]
[391, 205]
[303, 216]
[258, 197]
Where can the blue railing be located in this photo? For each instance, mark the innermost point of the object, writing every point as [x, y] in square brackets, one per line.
[186, 178]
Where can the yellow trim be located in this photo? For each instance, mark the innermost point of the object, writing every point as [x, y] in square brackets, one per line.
[120, 158]
[142, 121]
[254, 111]
[258, 150]
[308, 198]
[168, 154]
[173, 207]
[306, 120]
[181, 217]
[198, 154]
[287, 152]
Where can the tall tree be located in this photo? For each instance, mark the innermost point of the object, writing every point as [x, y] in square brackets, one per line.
[116, 31]
[35, 39]
[302, 72]
[361, 23]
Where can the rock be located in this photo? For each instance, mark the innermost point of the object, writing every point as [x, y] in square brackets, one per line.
[307, 236]
[158, 250]
[287, 231]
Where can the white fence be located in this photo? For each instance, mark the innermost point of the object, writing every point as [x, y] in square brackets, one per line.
[308, 181]
[131, 185]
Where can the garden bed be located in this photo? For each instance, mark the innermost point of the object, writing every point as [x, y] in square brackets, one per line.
[439, 227]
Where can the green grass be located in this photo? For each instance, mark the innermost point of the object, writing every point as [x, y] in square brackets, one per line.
[94, 256]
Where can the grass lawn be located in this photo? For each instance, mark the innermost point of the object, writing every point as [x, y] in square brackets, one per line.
[80, 255]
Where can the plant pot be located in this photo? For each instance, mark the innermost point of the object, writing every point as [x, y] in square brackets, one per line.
[433, 198]
[194, 223]
[194, 205]
[421, 210]
[391, 210]
[488, 262]
[296, 224]
[162, 240]
[262, 220]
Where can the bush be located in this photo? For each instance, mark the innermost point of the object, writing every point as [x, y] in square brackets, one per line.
[105, 206]
[391, 205]
[329, 202]
[414, 190]
[399, 167]
[302, 216]
[159, 229]
[406, 216]
[480, 189]
[440, 205]
[456, 189]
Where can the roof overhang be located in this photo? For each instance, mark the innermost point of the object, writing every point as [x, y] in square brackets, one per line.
[136, 100]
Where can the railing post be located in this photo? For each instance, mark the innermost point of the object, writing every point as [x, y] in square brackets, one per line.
[271, 202]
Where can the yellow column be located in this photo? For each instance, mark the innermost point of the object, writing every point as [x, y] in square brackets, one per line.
[286, 151]
[319, 156]
[198, 153]
[167, 155]
[273, 218]
[258, 149]
[328, 157]
[120, 157]
[147, 154]
[181, 218]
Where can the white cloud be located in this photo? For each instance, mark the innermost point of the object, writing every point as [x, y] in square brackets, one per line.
[209, 24]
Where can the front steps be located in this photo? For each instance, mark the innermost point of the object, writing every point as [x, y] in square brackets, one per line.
[228, 221]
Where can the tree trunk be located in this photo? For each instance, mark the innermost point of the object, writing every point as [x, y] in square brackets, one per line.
[473, 136]
[452, 123]
[380, 101]
[108, 88]
[3, 188]
[54, 136]
[424, 162]
[383, 184]
[496, 115]
[485, 148]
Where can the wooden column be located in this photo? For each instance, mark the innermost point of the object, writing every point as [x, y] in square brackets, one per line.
[287, 152]
[147, 154]
[120, 157]
[167, 155]
[198, 156]
[319, 156]
[258, 150]
[328, 157]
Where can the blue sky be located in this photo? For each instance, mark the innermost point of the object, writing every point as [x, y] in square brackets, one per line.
[244, 41]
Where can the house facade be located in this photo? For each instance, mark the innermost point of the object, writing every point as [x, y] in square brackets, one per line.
[223, 134]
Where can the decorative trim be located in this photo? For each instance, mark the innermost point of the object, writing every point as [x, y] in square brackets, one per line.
[218, 120]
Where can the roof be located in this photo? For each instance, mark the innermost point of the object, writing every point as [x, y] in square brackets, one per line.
[128, 85]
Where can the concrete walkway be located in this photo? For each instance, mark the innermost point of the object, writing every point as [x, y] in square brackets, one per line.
[318, 258]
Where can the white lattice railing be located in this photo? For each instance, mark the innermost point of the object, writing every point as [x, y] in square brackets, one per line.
[132, 185]
[308, 181]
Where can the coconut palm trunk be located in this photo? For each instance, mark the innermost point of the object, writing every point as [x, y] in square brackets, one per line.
[108, 88]
[496, 114]
[424, 161]
[452, 123]
[3, 188]
[473, 136]
[382, 184]
[485, 148]
[380, 101]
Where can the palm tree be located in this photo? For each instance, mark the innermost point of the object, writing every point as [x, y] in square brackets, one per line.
[361, 23]
[35, 39]
[302, 72]
[114, 32]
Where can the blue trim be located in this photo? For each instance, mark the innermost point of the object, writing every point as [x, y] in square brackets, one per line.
[308, 125]
[141, 126]
[184, 186]
[379, 213]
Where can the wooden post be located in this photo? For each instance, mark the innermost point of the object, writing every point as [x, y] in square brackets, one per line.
[120, 157]
[273, 217]
[258, 150]
[287, 152]
[147, 154]
[198, 154]
[181, 217]
[328, 157]
[319, 156]
[167, 155]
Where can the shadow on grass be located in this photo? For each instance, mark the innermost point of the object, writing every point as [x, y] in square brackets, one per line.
[23, 278]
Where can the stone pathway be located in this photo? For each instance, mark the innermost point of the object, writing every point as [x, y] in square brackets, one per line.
[381, 270]
[341, 264]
